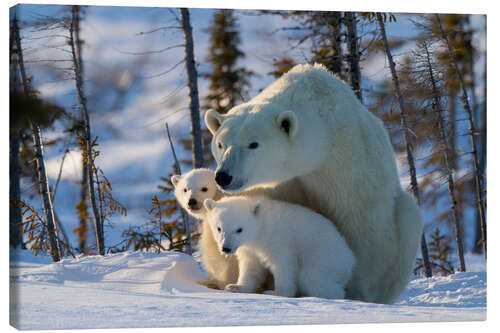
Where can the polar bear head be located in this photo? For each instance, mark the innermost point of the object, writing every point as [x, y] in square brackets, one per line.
[280, 134]
[234, 221]
[194, 187]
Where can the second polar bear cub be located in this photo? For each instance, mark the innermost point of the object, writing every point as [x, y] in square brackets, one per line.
[303, 250]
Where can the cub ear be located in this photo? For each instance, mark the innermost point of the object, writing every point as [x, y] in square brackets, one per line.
[213, 120]
[287, 122]
[257, 209]
[209, 204]
[175, 179]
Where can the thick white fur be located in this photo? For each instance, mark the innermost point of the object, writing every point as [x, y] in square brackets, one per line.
[303, 250]
[221, 269]
[341, 157]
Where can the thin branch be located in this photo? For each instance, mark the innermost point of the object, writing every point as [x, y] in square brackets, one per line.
[157, 29]
[149, 52]
[66, 151]
[164, 72]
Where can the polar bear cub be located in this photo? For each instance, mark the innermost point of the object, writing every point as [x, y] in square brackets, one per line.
[191, 189]
[302, 249]
[194, 187]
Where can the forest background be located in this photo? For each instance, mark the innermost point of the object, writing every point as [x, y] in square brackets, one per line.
[135, 80]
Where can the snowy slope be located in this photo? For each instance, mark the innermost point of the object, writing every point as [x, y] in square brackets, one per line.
[159, 290]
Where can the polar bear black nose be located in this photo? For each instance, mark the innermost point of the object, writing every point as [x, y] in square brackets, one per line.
[222, 178]
[226, 250]
[192, 202]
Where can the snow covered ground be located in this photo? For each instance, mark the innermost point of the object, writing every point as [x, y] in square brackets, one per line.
[139, 289]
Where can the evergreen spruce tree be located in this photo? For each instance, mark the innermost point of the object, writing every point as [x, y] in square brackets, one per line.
[229, 82]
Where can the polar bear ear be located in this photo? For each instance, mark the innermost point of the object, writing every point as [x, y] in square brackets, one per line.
[287, 122]
[257, 209]
[213, 120]
[209, 204]
[175, 179]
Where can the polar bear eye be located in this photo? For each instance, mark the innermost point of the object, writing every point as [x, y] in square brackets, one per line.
[219, 145]
[204, 189]
[185, 190]
[239, 230]
[218, 229]
[253, 145]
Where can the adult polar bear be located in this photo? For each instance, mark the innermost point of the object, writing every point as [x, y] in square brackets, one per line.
[308, 127]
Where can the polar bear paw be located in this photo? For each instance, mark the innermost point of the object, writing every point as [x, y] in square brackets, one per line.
[237, 288]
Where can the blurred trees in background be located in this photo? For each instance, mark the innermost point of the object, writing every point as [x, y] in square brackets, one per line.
[440, 100]
[228, 79]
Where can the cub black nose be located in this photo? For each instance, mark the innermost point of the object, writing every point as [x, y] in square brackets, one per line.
[222, 178]
[192, 202]
[226, 250]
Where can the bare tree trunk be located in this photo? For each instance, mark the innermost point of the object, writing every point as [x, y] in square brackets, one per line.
[65, 241]
[187, 229]
[335, 24]
[43, 181]
[192, 78]
[15, 216]
[77, 66]
[66, 151]
[472, 132]
[452, 111]
[45, 194]
[404, 125]
[482, 168]
[353, 57]
[446, 154]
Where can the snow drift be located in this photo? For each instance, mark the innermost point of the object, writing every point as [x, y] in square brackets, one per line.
[140, 289]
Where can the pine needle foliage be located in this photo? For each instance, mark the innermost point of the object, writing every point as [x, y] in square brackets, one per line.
[439, 251]
[82, 229]
[108, 205]
[281, 66]
[164, 231]
[33, 228]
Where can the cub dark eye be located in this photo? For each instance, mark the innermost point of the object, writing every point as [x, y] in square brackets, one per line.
[204, 189]
[253, 145]
[239, 230]
[219, 145]
[218, 229]
[185, 190]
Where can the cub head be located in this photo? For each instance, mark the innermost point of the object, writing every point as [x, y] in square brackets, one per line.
[234, 222]
[259, 145]
[193, 188]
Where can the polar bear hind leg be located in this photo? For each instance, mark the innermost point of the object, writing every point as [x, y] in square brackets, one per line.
[409, 226]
